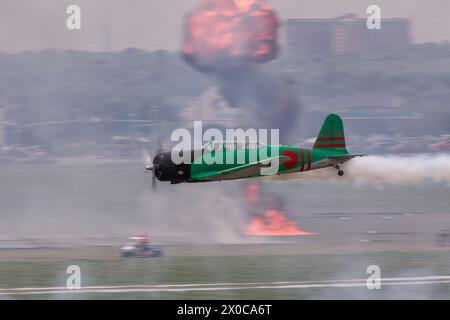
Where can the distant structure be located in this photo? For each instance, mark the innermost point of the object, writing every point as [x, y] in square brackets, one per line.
[344, 34]
[211, 106]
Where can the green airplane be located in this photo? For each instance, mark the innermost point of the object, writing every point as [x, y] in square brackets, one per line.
[252, 159]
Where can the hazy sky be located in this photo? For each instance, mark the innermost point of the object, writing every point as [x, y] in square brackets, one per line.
[156, 24]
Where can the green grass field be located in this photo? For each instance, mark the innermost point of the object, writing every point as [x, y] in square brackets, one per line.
[107, 270]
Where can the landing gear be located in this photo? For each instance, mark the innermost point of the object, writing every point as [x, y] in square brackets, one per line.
[340, 172]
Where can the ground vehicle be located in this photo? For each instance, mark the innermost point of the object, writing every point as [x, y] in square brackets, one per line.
[139, 247]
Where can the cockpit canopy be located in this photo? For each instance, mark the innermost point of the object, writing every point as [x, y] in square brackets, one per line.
[231, 146]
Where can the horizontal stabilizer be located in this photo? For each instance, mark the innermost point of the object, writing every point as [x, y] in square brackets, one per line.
[345, 158]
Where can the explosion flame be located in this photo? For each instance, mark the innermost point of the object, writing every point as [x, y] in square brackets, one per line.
[273, 221]
[227, 33]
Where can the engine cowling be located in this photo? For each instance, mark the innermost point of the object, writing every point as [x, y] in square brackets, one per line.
[165, 170]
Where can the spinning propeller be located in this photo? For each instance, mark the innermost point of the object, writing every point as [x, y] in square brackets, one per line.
[150, 164]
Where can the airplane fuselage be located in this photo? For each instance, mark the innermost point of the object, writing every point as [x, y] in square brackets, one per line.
[204, 166]
[217, 161]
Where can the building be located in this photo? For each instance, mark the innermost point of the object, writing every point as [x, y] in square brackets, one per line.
[344, 34]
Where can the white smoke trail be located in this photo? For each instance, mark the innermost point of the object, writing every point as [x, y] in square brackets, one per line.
[390, 169]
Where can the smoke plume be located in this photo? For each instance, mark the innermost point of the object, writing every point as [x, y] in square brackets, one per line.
[388, 170]
[230, 39]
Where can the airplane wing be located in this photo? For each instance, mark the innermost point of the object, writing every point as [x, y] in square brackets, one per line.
[243, 171]
[344, 158]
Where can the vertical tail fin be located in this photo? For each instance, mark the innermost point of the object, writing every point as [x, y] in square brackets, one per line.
[331, 135]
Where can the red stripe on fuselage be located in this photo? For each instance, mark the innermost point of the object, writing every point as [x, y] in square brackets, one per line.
[331, 139]
[309, 158]
[340, 145]
[302, 155]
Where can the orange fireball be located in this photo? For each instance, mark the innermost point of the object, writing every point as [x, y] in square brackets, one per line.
[221, 33]
[273, 223]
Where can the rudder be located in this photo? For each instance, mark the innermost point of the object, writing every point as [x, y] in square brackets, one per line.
[331, 136]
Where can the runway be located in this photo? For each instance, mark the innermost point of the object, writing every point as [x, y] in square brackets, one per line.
[206, 256]
[349, 283]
